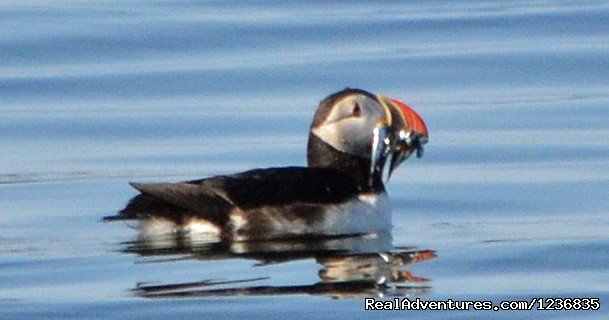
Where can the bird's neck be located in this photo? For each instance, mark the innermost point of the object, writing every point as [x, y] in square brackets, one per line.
[322, 155]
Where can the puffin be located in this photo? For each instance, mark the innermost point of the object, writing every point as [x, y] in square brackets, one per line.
[356, 140]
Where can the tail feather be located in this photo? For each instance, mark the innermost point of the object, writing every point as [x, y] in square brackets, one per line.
[174, 201]
[144, 206]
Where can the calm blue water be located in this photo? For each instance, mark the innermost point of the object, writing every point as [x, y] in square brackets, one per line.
[511, 193]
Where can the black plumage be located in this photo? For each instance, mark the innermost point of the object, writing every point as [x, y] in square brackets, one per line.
[213, 197]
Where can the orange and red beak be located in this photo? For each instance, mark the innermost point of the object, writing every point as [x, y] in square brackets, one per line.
[404, 134]
[411, 119]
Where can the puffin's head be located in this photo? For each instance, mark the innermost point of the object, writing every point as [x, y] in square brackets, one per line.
[371, 127]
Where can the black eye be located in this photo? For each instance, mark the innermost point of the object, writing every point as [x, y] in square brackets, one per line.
[357, 111]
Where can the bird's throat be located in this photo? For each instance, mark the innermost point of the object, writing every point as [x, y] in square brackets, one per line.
[322, 155]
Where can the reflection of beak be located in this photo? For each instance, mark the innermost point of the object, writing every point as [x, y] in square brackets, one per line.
[406, 134]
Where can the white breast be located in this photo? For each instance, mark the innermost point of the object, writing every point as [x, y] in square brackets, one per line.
[364, 214]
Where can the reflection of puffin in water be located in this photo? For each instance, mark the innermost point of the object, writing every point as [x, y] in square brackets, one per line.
[341, 191]
[349, 267]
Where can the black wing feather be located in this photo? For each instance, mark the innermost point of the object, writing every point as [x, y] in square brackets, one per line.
[214, 197]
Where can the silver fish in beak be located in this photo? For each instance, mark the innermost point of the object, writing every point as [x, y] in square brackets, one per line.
[405, 134]
[383, 144]
[407, 143]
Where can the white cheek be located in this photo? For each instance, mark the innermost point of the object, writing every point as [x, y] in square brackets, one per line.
[352, 135]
